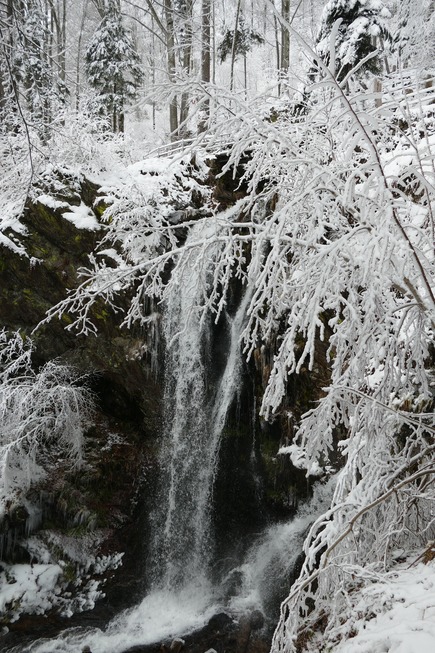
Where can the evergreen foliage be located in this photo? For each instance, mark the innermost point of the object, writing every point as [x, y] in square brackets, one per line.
[28, 67]
[245, 39]
[45, 90]
[113, 67]
[362, 23]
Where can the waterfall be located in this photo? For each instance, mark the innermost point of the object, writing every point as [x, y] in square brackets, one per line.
[266, 572]
[163, 614]
[197, 400]
[193, 425]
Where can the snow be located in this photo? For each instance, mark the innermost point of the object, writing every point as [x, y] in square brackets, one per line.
[28, 588]
[404, 605]
[397, 613]
[51, 203]
[82, 217]
[299, 459]
[67, 584]
[7, 242]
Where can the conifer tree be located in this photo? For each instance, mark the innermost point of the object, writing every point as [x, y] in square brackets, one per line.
[27, 65]
[245, 38]
[113, 67]
[238, 41]
[362, 22]
[45, 91]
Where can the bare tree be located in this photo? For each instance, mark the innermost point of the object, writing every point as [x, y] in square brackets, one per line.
[172, 66]
[284, 61]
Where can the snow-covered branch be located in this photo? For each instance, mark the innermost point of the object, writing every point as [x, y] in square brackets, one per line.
[332, 229]
[38, 410]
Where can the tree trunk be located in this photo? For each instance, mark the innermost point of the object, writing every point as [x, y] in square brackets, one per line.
[9, 96]
[61, 43]
[4, 52]
[186, 63]
[285, 41]
[377, 88]
[170, 49]
[205, 60]
[79, 50]
[233, 48]
[277, 52]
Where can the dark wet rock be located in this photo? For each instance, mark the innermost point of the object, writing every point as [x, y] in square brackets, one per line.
[120, 446]
[219, 622]
[232, 583]
[222, 634]
[176, 645]
[256, 619]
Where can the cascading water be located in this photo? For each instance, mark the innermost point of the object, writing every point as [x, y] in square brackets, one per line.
[179, 543]
[182, 597]
[266, 571]
[182, 546]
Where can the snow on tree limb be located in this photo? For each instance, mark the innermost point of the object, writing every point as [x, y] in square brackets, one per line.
[37, 410]
[334, 231]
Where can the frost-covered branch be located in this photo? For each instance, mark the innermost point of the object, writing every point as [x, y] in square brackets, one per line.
[38, 410]
[332, 229]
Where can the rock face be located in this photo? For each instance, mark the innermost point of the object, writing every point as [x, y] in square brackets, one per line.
[103, 496]
[56, 250]
[112, 494]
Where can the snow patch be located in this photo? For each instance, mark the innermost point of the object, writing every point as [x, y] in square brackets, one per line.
[52, 203]
[395, 615]
[65, 576]
[82, 217]
[299, 459]
[28, 588]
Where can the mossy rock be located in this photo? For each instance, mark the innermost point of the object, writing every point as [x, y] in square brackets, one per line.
[104, 493]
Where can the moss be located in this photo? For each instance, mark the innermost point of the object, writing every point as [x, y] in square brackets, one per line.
[77, 531]
[103, 493]
[47, 216]
[102, 315]
[69, 572]
[100, 208]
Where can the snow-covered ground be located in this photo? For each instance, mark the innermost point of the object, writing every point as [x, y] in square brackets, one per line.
[394, 615]
[67, 577]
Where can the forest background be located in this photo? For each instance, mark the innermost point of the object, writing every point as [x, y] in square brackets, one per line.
[335, 105]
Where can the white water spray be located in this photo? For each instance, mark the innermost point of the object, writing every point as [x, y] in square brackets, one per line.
[183, 598]
[164, 614]
[264, 574]
[194, 422]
